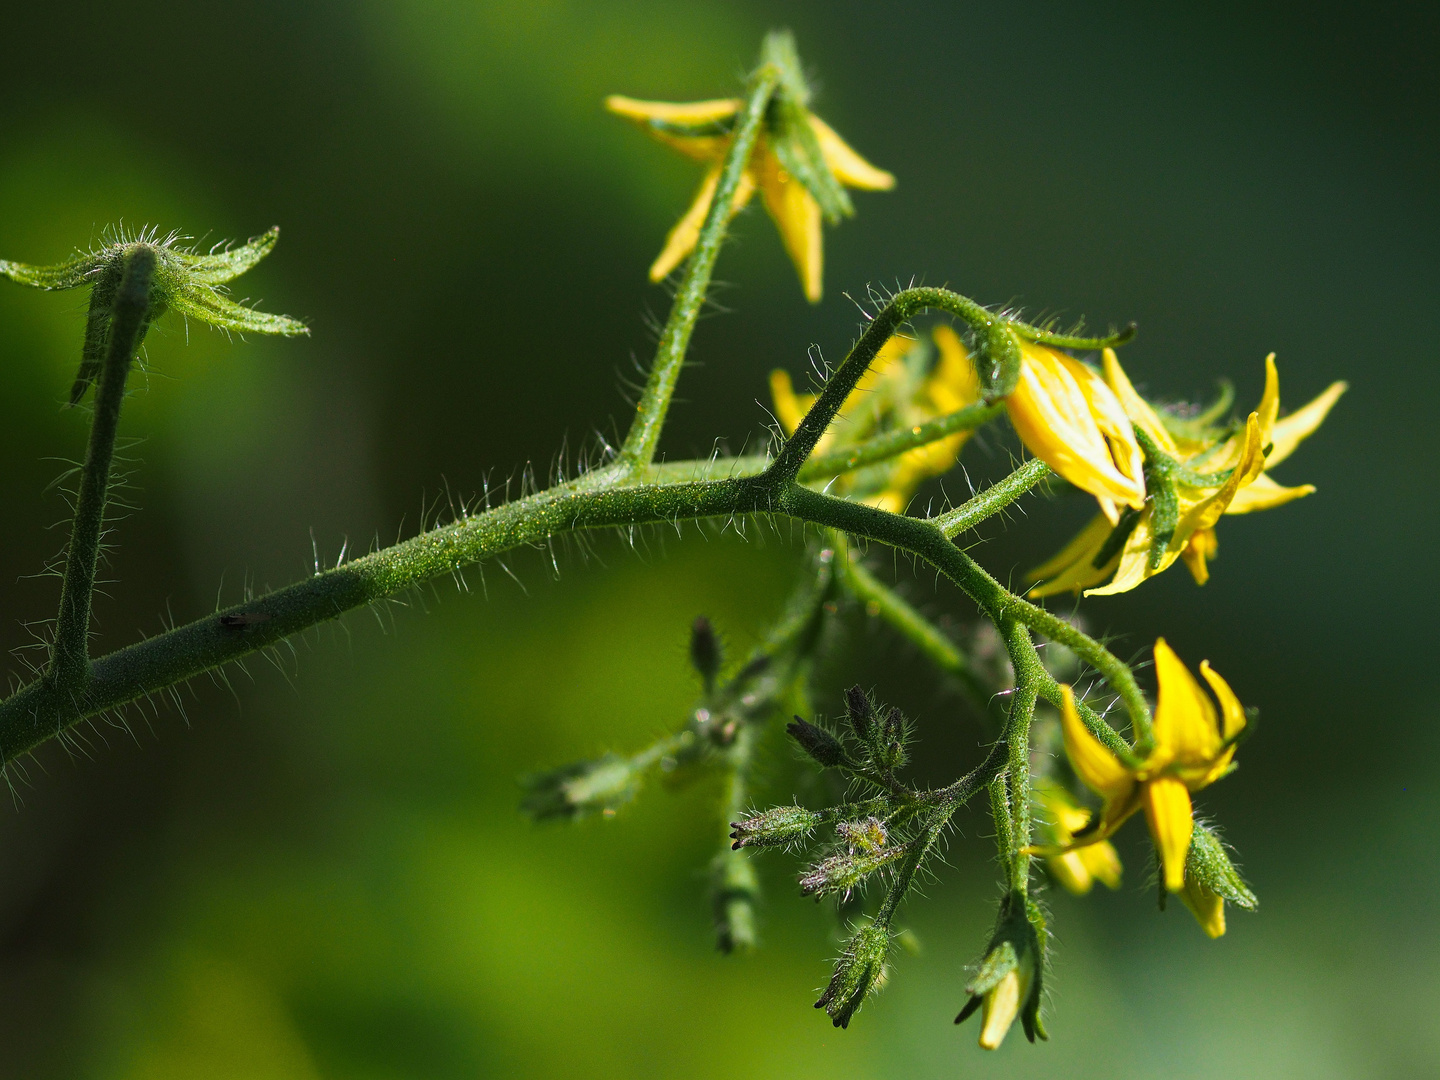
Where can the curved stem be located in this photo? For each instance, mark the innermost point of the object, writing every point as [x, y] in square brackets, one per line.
[127, 322]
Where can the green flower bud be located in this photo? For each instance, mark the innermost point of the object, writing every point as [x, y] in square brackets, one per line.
[775, 827]
[577, 790]
[705, 651]
[824, 747]
[861, 969]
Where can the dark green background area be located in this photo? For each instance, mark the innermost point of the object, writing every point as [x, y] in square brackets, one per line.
[319, 871]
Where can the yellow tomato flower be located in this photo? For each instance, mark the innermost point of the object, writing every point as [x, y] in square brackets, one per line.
[1194, 745]
[701, 130]
[1068, 418]
[1078, 869]
[896, 391]
[1240, 460]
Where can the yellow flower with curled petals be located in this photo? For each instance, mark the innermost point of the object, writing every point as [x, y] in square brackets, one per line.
[1211, 479]
[701, 130]
[1070, 419]
[900, 389]
[1194, 743]
[1078, 869]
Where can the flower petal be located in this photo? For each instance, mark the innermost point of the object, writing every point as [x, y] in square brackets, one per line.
[1100, 770]
[1171, 819]
[1187, 729]
[1262, 493]
[790, 407]
[1054, 418]
[686, 233]
[797, 215]
[1294, 429]
[849, 168]
[1207, 907]
[1198, 550]
[1231, 711]
[1136, 407]
[1073, 568]
[1103, 863]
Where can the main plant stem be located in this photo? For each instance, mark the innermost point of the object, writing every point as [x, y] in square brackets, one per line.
[129, 311]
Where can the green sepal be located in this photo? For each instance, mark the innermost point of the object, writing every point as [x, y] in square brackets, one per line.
[1164, 514]
[1209, 865]
[67, 275]
[205, 304]
[1019, 930]
[219, 267]
[791, 136]
[1043, 335]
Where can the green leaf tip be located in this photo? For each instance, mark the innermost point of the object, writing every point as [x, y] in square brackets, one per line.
[193, 283]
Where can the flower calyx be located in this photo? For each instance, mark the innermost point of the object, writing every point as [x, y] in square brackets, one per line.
[192, 283]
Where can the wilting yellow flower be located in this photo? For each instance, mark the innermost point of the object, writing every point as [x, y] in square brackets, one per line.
[1078, 869]
[1194, 744]
[702, 130]
[896, 392]
[1068, 418]
[1241, 485]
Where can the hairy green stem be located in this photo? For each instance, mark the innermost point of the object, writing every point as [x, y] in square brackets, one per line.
[38, 711]
[894, 443]
[993, 499]
[644, 434]
[735, 884]
[129, 310]
[1022, 711]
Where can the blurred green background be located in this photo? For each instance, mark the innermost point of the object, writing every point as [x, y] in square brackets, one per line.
[322, 872]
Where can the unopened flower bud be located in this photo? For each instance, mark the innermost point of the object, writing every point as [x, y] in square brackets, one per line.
[861, 968]
[860, 711]
[584, 788]
[775, 827]
[842, 873]
[824, 747]
[705, 651]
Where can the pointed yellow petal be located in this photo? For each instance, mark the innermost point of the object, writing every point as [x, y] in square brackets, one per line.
[1262, 493]
[797, 215]
[1231, 711]
[954, 371]
[1071, 872]
[1134, 562]
[1100, 770]
[1136, 407]
[1206, 906]
[849, 167]
[670, 112]
[1204, 514]
[1187, 730]
[1103, 863]
[1112, 421]
[789, 409]
[1086, 544]
[1053, 415]
[1197, 551]
[1269, 407]
[1294, 429]
[1169, 815]
[686, 233]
